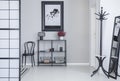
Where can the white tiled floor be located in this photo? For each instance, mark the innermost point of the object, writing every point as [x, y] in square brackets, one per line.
[62, 73]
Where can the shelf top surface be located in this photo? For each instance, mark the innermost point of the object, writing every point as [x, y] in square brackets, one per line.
[52, 51]
[9, 0]
[51, 40]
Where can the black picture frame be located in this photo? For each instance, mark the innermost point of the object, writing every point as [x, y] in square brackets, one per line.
[52, 15]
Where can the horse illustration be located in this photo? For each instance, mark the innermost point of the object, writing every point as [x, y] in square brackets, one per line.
[54, 12]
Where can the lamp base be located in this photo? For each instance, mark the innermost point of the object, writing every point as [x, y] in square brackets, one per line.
[41, 38]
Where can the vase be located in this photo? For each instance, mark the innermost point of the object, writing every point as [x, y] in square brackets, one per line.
[61, 37]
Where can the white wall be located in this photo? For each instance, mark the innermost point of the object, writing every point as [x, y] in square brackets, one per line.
[92, 37]
[94, 6]
[112, 7]
[76, 20]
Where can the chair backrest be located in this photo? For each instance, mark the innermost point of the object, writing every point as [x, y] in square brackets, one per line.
[29, 47]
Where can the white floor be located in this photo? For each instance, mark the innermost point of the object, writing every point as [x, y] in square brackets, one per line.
[62, 73]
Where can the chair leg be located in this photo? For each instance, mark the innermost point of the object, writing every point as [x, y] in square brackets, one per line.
[22, 60]
[25, 60]
[31, 61]
[34, 60]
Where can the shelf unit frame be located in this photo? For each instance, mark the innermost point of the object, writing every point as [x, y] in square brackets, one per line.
[52, 63]
[114, 59]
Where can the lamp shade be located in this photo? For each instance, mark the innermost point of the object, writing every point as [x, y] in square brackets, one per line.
[41, 34]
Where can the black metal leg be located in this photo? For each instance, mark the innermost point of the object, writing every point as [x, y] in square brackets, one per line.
[65, 64]
[31, 61]
[104, 71]
[25, 60]
[22, 60]
[118, 75]
[100, 60]
[94, 72]
[34, 60]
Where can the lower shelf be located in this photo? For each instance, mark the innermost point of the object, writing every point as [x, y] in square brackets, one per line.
[45, 62]
[52, 63]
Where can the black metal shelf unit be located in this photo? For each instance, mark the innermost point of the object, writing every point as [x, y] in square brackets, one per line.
[115, 50]
[10, 33]
[52, 52]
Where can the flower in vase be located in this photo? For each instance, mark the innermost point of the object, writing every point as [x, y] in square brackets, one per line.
[61, 33]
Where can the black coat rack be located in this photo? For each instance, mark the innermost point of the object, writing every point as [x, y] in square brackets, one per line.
[101, 58]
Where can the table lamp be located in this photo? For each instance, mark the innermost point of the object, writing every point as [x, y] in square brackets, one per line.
[41, 35]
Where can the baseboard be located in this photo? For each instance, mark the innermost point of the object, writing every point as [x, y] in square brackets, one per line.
[80, 64]
[27, 64]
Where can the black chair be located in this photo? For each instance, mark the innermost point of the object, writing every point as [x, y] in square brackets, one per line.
[29, 51]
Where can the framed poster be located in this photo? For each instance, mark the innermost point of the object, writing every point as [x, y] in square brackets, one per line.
[52, 15]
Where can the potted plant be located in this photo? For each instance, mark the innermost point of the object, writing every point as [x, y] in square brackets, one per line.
[61, 35]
